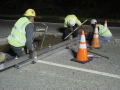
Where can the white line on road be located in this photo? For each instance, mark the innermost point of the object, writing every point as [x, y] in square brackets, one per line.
[80, 69]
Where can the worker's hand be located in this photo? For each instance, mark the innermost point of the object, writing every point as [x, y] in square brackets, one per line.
[31, 54]
[71, 29]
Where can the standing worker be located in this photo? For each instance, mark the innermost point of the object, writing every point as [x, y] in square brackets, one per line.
[21, 35]
[71, 22]
[104, 32]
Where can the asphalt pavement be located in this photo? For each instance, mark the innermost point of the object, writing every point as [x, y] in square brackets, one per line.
[59, 72]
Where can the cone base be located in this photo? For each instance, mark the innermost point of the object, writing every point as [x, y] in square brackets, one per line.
[83, 62]
[96, 47]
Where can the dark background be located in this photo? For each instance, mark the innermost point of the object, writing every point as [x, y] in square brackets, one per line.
[105, 9]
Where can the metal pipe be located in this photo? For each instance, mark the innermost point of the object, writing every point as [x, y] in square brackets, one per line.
[44, 35]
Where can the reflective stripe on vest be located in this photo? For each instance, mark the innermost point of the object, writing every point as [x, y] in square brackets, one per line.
[18, 39]
[20, 29]
[103, 31]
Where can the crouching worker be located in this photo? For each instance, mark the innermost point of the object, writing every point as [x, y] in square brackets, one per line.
[22, 34]
[71, 22]
[5, 57]
[103, 32]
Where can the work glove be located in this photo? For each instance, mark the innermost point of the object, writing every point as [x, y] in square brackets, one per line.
[31, 54]
[71, 29]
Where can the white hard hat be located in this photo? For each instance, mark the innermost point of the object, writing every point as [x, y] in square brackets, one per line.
[71, 22]
[93, 21]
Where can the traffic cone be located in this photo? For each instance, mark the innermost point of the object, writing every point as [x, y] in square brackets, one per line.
[105, 23]
[82, 54]
[96, 41]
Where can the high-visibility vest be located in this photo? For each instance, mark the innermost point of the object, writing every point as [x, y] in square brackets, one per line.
[73, 17]
[17, 36]
[104, 31]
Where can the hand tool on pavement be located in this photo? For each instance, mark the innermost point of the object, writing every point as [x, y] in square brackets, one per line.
[98, 54]
[93, 56]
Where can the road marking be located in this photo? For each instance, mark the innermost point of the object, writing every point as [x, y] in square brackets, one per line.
[80, 69]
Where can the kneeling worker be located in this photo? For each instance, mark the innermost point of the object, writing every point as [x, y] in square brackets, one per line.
[104, 32]
[22, 34]
[71, 22]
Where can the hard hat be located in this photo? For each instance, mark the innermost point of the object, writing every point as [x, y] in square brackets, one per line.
[93, 21]
[30, 12]
[71, 22]
[2, 57]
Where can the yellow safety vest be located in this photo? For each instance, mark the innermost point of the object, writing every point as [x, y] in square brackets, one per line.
[17, 37]
[104, 31]
[73, 17]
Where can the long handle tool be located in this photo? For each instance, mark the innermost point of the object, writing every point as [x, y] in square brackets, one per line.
[75, 29]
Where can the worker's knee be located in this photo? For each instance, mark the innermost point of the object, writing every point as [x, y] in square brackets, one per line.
[5, 57]
[2, 57]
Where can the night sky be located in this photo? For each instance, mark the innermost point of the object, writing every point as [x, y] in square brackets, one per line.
[81, 8]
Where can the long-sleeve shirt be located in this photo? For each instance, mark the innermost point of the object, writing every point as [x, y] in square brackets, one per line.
[29, 36]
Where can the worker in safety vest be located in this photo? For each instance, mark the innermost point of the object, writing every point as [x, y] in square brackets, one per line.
[103, 32]
[5, 57]
[22, 34]
[71, 22]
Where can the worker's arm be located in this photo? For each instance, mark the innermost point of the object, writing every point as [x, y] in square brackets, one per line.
[83, 28]
[29, 39]
[65, 24]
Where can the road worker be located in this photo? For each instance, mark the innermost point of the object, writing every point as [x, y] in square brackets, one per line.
[5, 57]
[103, 32]
[21, 35]
[71, 22]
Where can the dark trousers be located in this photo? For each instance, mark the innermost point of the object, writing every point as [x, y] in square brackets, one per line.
[67, 32]
[89, 37]
[8, 57]
[18, 50]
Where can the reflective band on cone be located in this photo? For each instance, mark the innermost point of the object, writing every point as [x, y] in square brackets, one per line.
[82, 54]
[96, 41]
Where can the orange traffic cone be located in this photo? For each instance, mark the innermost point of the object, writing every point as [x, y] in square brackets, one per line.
[105, 23]
[82, 55]
[96, 41]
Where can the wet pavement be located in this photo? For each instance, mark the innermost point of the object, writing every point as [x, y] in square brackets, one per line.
[58, 72]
